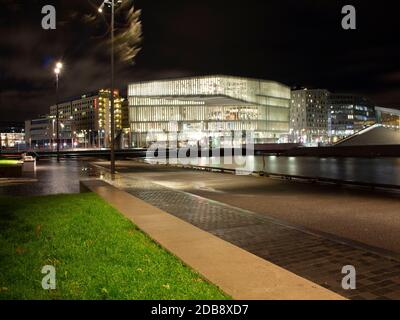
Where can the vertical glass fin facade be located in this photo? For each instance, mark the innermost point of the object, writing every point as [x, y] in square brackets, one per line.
[212, 105]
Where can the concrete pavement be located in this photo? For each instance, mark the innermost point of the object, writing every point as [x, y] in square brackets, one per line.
[318, 257]
[237, 272]
[50, 177]
[366, 216]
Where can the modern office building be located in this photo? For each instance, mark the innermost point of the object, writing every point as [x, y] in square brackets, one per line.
[388, 117]
[41, 133]
[64, 109]
[309, 117]
[205, 109]
[348, 114]
[12, 135]
[89, 116]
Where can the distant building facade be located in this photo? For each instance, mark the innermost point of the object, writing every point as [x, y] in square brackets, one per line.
[40, 133]
[309, 116]
[12, 135]
[348, 114]
[89, 117]
[207, 110]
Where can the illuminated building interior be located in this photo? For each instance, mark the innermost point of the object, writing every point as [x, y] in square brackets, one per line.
[208, 108]
[12, 134]
[11, 139]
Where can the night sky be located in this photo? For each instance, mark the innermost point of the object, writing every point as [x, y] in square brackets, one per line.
[296, 42]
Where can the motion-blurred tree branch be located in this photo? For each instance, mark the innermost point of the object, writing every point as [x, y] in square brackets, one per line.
[128, 39]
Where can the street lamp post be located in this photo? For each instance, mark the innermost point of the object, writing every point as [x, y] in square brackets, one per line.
[57, 71]
[112, 111]
[112, 90]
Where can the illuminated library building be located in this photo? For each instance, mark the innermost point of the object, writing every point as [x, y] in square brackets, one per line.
[208, 110]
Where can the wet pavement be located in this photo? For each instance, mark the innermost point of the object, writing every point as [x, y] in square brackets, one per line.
[50, 178]
[265, 217]
[370, 217]
[310, 255]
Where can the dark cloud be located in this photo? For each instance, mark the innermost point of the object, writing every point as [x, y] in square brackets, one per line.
[28, 54]
[295, 42]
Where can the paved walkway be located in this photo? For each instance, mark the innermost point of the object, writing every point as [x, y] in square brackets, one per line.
[50, 178]
[362, 215]
[238, 273]
[308, 255]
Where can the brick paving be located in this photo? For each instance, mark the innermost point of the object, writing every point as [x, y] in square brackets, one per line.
[308, 255]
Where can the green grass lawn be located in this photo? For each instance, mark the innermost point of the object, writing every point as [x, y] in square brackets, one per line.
[8, 162]
[98, 254]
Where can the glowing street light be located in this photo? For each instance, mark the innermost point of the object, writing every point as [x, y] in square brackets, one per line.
[112, 4]
[57, 72]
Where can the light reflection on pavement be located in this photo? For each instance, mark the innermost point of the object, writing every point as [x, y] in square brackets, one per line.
[50, 178]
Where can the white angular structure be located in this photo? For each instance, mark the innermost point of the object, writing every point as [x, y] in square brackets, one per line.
[211, 106]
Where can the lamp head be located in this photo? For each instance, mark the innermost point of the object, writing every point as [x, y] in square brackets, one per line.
[101, 8]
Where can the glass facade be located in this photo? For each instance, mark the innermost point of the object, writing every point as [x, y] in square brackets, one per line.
[209, 106]
[349, 114]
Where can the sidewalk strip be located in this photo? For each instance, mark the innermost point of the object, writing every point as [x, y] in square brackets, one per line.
[237, 272]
